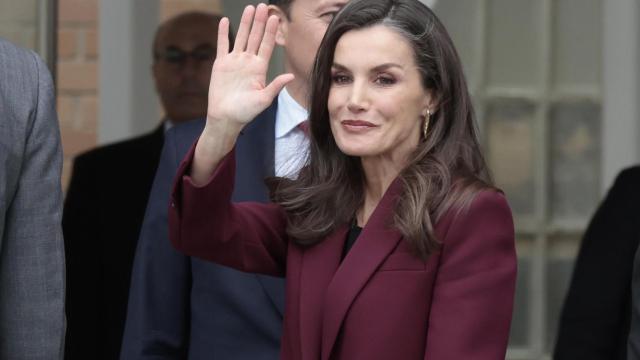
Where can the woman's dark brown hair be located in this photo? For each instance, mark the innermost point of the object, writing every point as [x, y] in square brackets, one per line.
[443, 173]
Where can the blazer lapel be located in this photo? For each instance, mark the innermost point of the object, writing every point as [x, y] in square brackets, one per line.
[319, 264]
[375, 243]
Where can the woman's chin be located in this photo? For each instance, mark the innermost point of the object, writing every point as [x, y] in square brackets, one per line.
[357, 150]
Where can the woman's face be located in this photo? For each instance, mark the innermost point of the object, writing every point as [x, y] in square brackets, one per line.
[376, 102]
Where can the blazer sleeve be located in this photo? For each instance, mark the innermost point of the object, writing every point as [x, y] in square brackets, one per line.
[157, 323]
[594, 323]
[32, 262]
[203, 222]
[473, 295]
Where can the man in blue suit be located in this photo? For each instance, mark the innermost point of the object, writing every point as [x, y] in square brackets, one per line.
[184, 308]
[100, 233]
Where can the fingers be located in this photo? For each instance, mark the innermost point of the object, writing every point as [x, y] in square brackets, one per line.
[258, 28]
[277, 84]
[223, 38]
[243, 30]
[269, 39]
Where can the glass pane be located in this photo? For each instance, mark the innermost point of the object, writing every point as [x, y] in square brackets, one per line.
[520, 323]
[515, 34]
[575, 161]
[19, 22]
[462, 20]
[577, 50]
[562, 253]
[510, 133]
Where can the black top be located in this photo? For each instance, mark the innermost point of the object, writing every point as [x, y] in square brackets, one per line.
[352, 235]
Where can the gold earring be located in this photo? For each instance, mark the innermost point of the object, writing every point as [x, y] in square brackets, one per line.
[426, 124]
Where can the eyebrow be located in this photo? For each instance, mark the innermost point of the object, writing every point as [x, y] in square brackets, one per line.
[381, 67]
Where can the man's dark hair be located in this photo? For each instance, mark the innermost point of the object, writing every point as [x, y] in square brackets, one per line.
[285, 5]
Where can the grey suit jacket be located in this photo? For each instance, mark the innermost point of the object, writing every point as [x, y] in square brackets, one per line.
[31, 248]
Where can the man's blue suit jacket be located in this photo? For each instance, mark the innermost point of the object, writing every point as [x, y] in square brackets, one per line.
[185, 308]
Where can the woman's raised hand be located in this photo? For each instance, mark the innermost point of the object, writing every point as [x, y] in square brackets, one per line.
[238, 91]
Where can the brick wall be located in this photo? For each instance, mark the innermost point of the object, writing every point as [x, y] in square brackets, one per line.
[78, 63]
[77, 80]
[169, 8]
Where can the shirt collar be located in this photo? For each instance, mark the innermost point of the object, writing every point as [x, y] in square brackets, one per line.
[289, 115]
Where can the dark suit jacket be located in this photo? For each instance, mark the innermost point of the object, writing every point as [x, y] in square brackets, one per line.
[634, 332]
[381, 302]
[595, 319]
[183, 308]
[103, 213]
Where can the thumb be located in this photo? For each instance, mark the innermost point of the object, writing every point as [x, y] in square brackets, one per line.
[277, 84]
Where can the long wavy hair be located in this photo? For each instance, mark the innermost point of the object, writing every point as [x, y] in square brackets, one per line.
[446, 169]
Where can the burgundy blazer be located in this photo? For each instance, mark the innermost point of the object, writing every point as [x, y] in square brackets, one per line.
[380, 302]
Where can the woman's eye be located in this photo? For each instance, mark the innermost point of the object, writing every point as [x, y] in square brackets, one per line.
[340, 79]
[385, 80]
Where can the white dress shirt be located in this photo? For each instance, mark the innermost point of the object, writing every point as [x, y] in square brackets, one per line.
[291, 143]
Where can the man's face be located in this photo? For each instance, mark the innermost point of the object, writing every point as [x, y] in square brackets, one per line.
[185, 52]
[304, 29]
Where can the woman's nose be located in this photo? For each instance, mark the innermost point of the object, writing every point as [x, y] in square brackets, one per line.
[358, 97]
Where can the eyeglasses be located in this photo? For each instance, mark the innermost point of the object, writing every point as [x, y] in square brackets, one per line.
[176, 56]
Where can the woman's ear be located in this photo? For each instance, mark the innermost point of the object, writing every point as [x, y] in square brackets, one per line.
[430, 105]
[283, 24]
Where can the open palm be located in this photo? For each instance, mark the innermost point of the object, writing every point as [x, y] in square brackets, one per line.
[238, 91]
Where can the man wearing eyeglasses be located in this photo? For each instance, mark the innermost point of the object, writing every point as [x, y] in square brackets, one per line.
[110, 186]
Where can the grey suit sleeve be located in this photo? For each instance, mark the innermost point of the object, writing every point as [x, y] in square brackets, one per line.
[32, 256]
[633, 352]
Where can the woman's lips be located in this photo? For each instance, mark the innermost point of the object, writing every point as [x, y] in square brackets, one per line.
[357, 125]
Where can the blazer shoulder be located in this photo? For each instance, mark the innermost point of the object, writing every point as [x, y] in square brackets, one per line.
[18, 58]
[489, 200]
[486, 207]
[486, 201]
[23, 76]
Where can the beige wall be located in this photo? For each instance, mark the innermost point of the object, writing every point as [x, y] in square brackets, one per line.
[18, 22]
[77, 69]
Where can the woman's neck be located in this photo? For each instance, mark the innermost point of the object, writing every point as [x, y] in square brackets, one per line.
[379, 173]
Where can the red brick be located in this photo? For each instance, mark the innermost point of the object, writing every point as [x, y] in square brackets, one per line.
[77, 76]
[169, 9]
[67, 166]
[78, 11]
[91, 43]
[88, 114]
[66, 107]
[67, 44]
